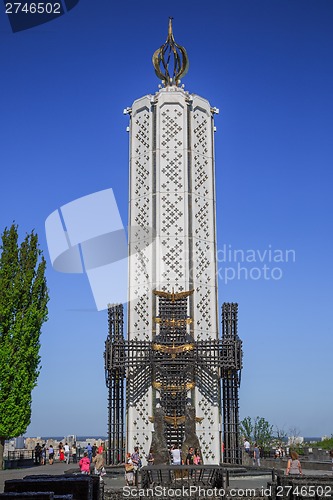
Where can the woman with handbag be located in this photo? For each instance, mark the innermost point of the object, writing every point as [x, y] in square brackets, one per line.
[129, 470]
[98, 460]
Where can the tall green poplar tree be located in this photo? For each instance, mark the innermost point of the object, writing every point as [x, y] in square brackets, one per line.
[23, 310]
[258, 431]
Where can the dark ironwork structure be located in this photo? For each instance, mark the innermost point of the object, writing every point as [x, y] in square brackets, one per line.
[207, 476]
[115, 376]
[230, 384]
[173, 363]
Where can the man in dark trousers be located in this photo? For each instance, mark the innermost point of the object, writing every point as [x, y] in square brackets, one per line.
[189, 457]
[38, 453]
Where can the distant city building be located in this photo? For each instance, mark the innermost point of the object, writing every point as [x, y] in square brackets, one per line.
[295, 440]
[19, 442]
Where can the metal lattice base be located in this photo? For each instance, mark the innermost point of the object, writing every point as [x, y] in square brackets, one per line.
[173, 363]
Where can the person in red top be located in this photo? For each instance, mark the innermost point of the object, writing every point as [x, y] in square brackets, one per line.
[85, 464]
[61, 452]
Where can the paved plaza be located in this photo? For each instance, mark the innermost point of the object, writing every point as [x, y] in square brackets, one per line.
[115, 476]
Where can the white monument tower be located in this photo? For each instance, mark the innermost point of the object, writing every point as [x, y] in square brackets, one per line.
[173, 242]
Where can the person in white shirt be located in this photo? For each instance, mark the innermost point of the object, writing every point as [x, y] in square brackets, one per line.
[66, 449]
[176, 455]
[246, 446]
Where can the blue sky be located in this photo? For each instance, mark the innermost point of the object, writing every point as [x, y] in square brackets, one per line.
[267, 65]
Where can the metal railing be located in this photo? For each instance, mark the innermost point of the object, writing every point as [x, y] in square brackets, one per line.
[184, 475]
[21, 454]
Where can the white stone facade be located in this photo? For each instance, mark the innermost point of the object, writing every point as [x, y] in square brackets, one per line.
[173, 236]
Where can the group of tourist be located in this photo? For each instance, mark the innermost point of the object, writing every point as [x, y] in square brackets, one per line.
[255, 452]
[65, 452]
[193, 456]
[133, 461]
[293, 464]
[93, 456]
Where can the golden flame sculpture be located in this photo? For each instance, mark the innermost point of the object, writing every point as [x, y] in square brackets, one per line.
[170, 60]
